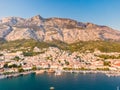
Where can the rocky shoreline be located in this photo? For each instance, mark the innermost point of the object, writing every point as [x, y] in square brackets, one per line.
[2, 76]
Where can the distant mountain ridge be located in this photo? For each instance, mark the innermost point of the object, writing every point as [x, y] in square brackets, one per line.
[49, 29]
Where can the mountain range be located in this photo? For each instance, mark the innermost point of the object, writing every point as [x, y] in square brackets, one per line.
[49, 29]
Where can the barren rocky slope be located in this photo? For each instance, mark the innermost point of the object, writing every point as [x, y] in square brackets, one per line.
[49, 29]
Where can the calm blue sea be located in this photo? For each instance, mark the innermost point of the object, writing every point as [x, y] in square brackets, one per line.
[67, 81]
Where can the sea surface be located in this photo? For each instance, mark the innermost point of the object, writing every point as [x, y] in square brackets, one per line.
[66, 81]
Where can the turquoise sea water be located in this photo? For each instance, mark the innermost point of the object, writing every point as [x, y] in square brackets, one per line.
[67, 81]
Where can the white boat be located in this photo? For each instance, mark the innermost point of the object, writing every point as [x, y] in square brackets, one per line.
[2, 76]
[57, 72]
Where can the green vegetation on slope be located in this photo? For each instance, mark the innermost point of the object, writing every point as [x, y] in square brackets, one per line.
[109, 56]
[25, 45]
[103, 46]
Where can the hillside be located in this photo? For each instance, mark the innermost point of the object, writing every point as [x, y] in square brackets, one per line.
[82, 46]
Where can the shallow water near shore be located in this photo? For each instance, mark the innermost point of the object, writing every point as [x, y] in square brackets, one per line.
[66, 81]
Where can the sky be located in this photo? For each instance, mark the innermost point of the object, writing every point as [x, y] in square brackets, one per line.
[101, 12]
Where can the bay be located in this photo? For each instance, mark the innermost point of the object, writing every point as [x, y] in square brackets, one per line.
[66, 81]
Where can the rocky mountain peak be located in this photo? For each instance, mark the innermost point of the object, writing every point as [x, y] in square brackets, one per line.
[11, 20]
[91, 25]
[36, 18]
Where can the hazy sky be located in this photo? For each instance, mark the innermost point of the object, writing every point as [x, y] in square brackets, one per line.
[103, 12]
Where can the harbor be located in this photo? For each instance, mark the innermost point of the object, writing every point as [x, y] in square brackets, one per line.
[65, 81]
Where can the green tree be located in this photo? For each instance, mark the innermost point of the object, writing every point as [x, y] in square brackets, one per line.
[6, 65]
[20, 70]
[17, 58]
[34, 68]
[107, 63]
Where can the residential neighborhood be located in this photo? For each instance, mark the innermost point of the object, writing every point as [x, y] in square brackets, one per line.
[54, 59]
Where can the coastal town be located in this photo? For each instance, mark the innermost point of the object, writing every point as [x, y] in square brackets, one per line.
[53, 59]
